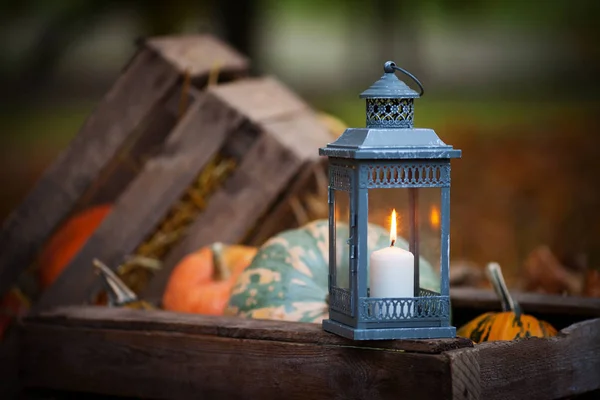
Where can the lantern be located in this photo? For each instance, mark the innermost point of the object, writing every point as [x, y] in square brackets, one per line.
[389, 222]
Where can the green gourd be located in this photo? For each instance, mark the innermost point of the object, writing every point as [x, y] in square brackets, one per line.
[287, 279]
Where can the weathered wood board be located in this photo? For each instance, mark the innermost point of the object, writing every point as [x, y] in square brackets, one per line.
[534, 368]
[270, 132]
[158, 354]
[300, 204]
[130, 122]
[218, 357]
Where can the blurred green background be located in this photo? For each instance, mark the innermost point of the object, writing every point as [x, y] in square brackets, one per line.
[512, 83]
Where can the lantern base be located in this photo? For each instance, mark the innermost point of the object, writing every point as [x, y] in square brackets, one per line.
[438, 332]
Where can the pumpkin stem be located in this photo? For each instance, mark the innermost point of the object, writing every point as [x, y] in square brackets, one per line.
[118, 292]
[495, 276]
[222, 272]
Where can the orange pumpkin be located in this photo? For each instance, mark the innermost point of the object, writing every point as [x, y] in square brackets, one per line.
[201, 283]
[67, 241]
[510, 324]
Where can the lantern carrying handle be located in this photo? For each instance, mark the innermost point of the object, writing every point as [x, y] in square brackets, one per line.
[390, 66]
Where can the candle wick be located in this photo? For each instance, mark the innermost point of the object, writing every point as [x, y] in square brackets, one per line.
[393, 242]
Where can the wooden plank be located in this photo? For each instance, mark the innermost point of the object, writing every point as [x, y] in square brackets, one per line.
[223, 326]
[282, 215]
[171, 364]
[140, 208]
[47, 394]
[197, 54]
[142, 144]
[261, 100]
[289, 138]
[536, 368]
[143, 84]
[9, 362]
[128, 105]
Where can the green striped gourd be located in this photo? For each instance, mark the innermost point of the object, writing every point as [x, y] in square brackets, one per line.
[287, 279]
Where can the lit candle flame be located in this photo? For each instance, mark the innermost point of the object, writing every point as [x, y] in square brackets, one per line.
[434, 217]
[393, 228]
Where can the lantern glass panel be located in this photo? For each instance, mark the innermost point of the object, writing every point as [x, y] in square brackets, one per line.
[418, 220]
[429, 219]
[342, 248]
[387, 278]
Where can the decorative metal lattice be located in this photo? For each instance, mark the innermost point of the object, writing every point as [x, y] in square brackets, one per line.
[390, 113]
[340, 178]
[408, 175]
[431, 307]
[340, 300]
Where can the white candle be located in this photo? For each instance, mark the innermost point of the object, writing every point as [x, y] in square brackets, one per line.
[392, 272]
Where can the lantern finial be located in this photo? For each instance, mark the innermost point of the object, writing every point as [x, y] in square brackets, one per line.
[390, 101]
[388, 67]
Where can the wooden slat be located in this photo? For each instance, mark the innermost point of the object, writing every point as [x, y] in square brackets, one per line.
[179, 366]
[142, 144]
[197, 54]
[130, 105]
[534, 368]
[168, 363]
[141, 207]
[147, 79]
[227, 327]
[262, 99]
[281, 215]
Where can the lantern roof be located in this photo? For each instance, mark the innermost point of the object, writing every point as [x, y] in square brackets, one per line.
[369, 143]
[390, 133]
[389, 86]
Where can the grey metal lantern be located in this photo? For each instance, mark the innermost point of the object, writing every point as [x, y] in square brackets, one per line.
[376, 285]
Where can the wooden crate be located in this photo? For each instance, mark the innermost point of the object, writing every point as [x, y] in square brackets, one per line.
[158, 354]
[147, 144]
[181, 105]
[127, 128]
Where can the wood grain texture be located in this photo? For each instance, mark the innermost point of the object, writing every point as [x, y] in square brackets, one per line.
[466, 374]
[198, 54]
[142, 144]
[172, 364]
[142, 205]
[261, 99]
[130, 105]
[281, 215]
[551, 368]
[142, 85]
[303, 133]
[228, 327]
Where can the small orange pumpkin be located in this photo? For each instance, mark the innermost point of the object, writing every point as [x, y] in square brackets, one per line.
[507, 325]
[67, 241]
[201, 283]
